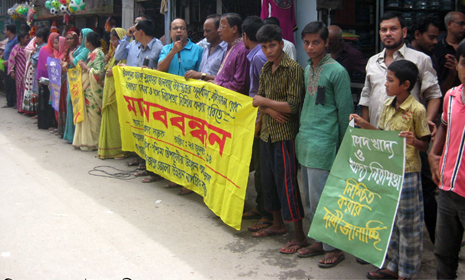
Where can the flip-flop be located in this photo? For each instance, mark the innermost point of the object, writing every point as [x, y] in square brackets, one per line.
[329, 265]
[268, 224]
[141, 173]
[172, 185]
[184, 192]
[249, 215]
[382, 275]
[295, 247]
[151, 179]
[267, 232]
[135, 162]
[312, 254]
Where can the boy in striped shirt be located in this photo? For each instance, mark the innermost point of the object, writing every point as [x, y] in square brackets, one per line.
[278, 98]
[446, 159]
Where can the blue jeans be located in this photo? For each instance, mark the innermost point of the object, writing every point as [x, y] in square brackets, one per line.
[313, 183]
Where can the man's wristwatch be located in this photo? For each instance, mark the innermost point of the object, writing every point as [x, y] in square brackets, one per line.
[203, 76]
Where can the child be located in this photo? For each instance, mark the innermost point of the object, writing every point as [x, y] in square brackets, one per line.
[448, 172]
[281, 88]
[403, 113]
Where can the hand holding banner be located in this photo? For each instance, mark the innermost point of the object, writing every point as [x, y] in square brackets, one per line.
[358, 206]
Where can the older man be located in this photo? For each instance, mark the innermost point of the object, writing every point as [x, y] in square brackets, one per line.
[444, 52]
[234, 71]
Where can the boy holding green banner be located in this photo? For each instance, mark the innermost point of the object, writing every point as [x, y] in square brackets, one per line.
[403, 113]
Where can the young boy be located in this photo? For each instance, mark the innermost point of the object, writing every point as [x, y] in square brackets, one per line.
[323, 122]
[403, 113]
[279, 94]
[449, 173]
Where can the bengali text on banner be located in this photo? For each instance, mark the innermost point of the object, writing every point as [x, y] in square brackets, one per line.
[77, 96]
[357, 209]
[193, 133]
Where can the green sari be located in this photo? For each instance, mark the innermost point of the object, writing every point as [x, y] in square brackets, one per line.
[86, 135]
[109, 145]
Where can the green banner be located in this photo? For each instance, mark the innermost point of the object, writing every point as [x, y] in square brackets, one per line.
[358, 205]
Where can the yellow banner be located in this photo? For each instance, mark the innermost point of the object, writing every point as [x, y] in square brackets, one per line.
[77, 97]
[193, 133]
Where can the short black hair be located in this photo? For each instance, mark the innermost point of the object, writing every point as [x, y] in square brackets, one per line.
[405, 70]
[216, 18]
[269, 33]
[251, 25]
[43, 32]
[316, 27]
[22, 35]
[234, 20]
[272, 20]
[94, 39]
[147, 26]
[460, 50]
[391, 15]
[423, 22]
[11, 28]
[144, 16]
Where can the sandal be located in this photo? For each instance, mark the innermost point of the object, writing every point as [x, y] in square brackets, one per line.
[172, 185]
[252, 214]
[135, 162]
[380, 274]
[339, 259]
[141, 173]
[141, 167]
[268, 232]
[261, 224]
[292, 247]
[310, 252]
[150, 179]
[184, 191]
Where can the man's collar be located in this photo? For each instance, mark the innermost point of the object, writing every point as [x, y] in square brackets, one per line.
[401, 50]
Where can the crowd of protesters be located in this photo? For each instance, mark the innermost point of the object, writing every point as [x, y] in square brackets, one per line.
[303, 113]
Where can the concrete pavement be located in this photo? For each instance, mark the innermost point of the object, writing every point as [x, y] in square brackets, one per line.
[59, 222]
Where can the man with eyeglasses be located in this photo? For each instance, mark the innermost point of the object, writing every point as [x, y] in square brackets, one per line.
[444, 53]
[182, 55]
[234, 71]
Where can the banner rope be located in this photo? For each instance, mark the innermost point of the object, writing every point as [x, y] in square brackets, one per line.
[114, 173]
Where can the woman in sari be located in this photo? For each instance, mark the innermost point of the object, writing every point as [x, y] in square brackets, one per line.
[31, 92]
[46, 116]
[86, 135]
[17, 67]
[59, 51]
[75, 56]
[109, 145]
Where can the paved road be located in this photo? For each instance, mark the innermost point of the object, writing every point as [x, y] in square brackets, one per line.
[59, 222]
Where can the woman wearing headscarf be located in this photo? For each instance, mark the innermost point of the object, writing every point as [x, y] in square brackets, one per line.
[31, 92]
[87, 131]
[17, 67]
[46, 116]
[59, 51]
[75, 56]
[109, 145]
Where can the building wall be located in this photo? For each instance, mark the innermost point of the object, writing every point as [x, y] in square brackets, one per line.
[305, 12]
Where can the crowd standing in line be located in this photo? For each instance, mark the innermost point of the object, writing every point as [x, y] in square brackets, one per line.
[303, 113]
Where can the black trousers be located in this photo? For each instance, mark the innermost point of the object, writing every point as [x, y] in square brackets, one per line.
[10, 89]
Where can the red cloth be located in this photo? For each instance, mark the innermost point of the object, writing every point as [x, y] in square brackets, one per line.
[283, 10]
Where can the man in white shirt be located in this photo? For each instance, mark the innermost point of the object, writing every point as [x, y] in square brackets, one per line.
[393, 32]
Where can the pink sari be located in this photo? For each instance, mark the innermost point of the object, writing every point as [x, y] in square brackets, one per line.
[17, 63]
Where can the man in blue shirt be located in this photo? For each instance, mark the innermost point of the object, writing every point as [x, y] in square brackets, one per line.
[182, 55]
[128, 49]
[10, 32]
[150, 47]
